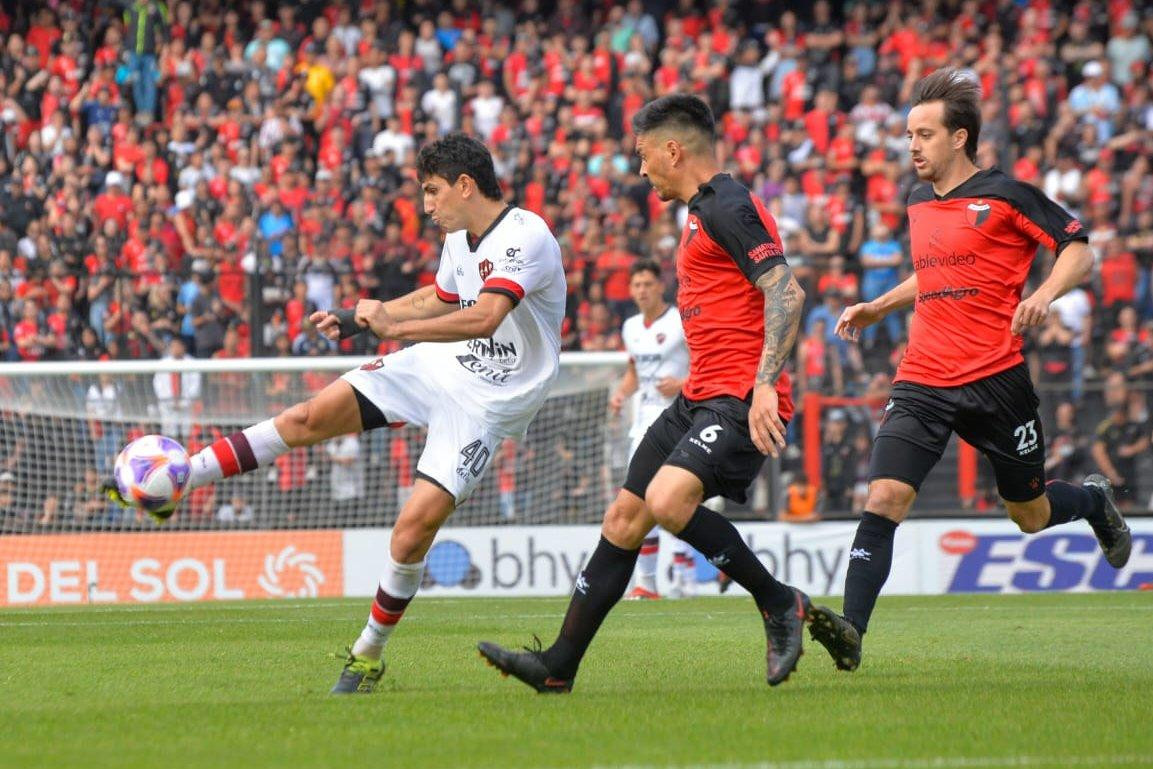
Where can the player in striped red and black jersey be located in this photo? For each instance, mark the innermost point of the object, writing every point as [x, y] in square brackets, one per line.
[740, 306]
[974, 235]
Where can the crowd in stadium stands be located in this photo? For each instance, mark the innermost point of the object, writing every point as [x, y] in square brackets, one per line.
[196, 177]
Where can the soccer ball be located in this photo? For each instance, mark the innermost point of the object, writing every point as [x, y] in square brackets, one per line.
[152, 473]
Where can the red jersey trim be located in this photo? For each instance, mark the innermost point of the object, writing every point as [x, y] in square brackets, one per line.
[445, 296]
[499, 284]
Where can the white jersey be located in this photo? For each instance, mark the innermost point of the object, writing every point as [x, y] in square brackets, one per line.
[505, 379]
[657, 351]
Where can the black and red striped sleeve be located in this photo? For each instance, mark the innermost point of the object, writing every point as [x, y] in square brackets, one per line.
[740, 224]
[1042, 220]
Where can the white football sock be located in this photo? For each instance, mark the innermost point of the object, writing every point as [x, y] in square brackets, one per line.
[398, 584]
[242, 452]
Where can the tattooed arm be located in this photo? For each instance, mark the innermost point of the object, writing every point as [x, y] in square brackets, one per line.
[784, 299]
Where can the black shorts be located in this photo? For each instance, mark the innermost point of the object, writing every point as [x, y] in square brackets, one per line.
[709, 438]
[996, 415]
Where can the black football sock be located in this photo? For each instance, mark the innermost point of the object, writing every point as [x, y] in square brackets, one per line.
[715, 537]
[870, 559]
[1068, 503]
[598, 588]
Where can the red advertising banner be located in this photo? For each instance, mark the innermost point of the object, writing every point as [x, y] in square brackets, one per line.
[152, 567]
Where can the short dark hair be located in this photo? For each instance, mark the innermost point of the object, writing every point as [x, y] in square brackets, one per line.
[645, 265]
[680, 112]
[455, 155]
[961, 95]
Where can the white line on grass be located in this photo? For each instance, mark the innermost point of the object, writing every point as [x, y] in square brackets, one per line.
[928, 762]
[50, 614]
[251, 605]
[281, 620]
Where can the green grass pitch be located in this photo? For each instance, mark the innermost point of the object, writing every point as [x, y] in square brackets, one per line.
[970, 681]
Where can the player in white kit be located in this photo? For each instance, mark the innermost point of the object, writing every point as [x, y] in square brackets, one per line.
[658, 366]
[490, 351]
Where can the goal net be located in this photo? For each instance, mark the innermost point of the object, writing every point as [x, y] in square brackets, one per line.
[62, 425]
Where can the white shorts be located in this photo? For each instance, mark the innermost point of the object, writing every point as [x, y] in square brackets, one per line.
[403, 385]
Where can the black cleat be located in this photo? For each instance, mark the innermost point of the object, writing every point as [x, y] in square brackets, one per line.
[837, 635]
[526, 666]
[1113, 533]
[724, 582]
[784, 633]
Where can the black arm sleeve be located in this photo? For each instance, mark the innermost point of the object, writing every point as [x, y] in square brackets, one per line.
[346, 320]
[1043, 220]
[736, 225]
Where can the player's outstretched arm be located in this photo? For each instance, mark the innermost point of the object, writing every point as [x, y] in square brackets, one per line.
[1074, 263]
[784, 299]
[416, 305]
[478, 321]
[860, 316]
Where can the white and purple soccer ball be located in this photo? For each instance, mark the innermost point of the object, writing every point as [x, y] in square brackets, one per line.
[152, 473]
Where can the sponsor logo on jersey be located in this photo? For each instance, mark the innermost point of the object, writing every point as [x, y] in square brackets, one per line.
[949, 260]
[373, 365]
[948, 292]
[485, 269]
[513, 260]
[764, 251]
[500, 352]
[460, 270]
[977, 213]
[1073, 227]
[490, 373]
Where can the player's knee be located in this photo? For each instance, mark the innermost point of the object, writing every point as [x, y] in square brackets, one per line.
[670, 509]
[412, 537]
[624, 523]
[890, 499]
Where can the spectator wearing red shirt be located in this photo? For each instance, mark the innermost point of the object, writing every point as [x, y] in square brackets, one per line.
[1118, 275]
[112, 203]
[32, 338]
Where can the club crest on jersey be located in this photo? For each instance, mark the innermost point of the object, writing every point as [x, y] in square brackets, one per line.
[485, 269]
[977, 213]
[661, 338]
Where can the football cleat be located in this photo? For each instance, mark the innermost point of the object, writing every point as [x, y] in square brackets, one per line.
[639, 593]
[837, 635]
[1113, 533]
[527, 666]
[784, 634]
[360, 674]
[724, 582]
[110, 489]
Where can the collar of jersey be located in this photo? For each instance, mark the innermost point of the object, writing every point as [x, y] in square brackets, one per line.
[959, 190]
[472, 247]
[706, 187]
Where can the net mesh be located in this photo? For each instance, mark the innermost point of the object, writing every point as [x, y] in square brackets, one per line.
[61, 427]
